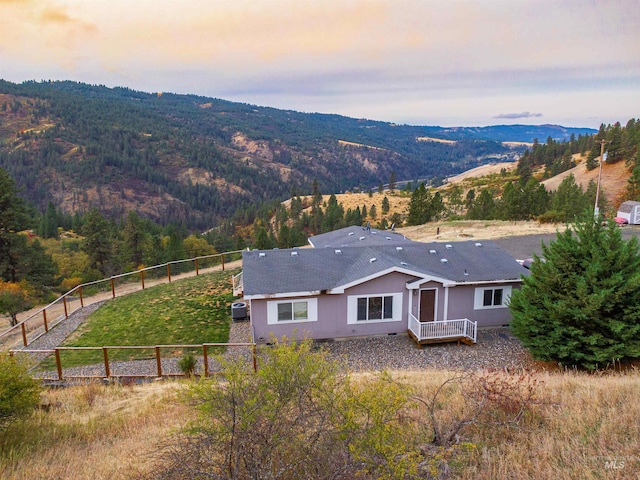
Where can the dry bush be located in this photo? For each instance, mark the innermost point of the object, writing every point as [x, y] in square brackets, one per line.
[580, 426]
[470, 398]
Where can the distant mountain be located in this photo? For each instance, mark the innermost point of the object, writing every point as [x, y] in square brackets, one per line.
[517, 133]
[197, 160]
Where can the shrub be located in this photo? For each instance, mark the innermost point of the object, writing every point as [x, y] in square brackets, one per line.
[19, 392]
[188, 364]
[298, 416]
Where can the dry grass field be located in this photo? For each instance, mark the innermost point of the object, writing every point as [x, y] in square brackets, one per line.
[578, 426]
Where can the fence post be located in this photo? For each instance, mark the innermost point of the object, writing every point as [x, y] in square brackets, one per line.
[255, 358]
[158, 362]
[142, 278]
[81, 298]
[105, 354]
[169, 271]
[24, 334]
[58, 363]
[205, 359]
[196, 262]
[222, 257]
[44, 316]
[64, 302]
[113, 288]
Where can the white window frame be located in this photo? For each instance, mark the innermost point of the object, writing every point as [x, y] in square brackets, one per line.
[352, 308]
[478, 301]
[272, 311]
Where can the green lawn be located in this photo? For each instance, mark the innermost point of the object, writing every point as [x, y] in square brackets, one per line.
[191, 311]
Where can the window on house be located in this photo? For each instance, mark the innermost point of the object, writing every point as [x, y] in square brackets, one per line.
[375, 308]
[495, 297]
[492, 298]
[291, 311]
[298, 310]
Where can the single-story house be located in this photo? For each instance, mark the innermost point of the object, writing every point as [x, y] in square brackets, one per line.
[361, 282]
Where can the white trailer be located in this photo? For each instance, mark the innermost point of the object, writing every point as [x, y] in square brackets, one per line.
[630, 211]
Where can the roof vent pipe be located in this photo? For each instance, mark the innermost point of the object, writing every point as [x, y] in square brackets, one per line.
[372, 260]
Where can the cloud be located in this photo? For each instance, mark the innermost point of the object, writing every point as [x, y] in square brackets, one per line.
[512, 116]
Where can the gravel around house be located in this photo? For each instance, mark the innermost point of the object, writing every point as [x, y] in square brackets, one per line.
[497, 348]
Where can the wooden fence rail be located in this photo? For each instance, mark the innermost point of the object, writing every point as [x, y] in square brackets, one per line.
[42, 320]
[158, 358]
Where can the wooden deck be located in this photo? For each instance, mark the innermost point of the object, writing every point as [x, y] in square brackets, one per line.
[460, 330]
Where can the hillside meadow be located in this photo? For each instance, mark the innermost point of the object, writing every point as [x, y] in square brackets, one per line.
[577, 426]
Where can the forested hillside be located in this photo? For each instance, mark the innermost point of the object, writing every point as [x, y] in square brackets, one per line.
[197, 161]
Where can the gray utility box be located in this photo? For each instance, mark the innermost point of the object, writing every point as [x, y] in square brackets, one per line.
[238, 311]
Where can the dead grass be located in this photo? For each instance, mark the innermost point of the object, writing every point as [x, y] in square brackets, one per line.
[94, 431]
[476, 229]
[582, 426]
[613, 181]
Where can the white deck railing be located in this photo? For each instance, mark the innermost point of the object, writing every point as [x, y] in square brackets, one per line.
[238, 287]
[443, 329]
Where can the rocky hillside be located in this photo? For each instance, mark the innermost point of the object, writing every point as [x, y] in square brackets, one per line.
[196, 160]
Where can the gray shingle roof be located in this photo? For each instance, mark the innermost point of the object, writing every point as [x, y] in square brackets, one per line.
[314, 269]
[359, 236]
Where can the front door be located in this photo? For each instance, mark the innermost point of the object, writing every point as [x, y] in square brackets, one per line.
[427, 305]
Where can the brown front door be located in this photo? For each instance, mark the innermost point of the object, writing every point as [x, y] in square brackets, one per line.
[427, 305]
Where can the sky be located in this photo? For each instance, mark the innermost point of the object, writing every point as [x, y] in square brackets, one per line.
[419, 62]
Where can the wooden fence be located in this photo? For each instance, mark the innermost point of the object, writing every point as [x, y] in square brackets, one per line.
[106, 364]
[42, 320]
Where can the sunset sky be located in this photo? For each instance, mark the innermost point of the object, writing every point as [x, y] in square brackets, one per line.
[428, 62]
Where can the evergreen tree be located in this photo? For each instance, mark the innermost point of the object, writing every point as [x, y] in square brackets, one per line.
[436, 206]
[392, 181]
[455, 199]
[97, 241]
[579, 306]
[484, 207]
[263, 242]
[333, 215]
[420, 206]
[569, 199]
[13, 218]
[49, 224]
[385, 205]
[134, 242]
[633, 185]
[373, 212]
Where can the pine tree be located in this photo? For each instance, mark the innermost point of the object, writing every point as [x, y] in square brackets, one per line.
[385, 205]
[579, 306]
[97, 241]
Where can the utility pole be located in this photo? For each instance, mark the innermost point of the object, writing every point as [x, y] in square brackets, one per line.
[596, 210]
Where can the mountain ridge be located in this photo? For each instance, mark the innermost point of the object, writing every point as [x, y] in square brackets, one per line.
[198, 161]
